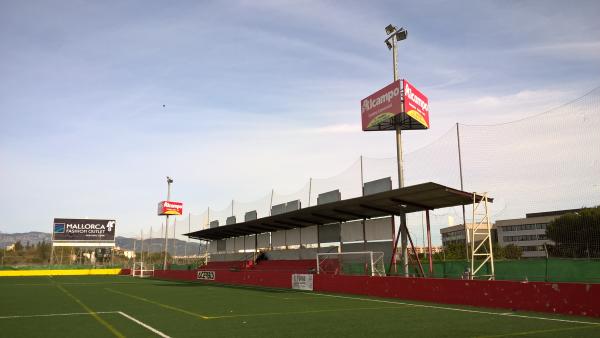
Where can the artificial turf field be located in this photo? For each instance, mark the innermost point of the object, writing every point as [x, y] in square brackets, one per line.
[121, 306]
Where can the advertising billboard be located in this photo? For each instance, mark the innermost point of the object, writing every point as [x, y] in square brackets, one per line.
[416, 105]
[170, 208]
[379, 108]
[399, 98]
[68, 229]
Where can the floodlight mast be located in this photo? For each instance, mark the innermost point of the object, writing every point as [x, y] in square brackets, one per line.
[169, 182]
[395, 35]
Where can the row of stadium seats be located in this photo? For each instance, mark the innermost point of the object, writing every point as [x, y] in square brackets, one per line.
[300, 266]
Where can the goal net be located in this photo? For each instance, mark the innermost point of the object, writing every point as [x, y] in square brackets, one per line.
[369, 263]
[142, 270]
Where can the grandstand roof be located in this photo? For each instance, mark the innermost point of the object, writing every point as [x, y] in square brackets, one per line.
[420, 197]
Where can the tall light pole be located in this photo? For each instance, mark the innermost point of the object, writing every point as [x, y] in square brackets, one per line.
[395, 35]
[169, 181]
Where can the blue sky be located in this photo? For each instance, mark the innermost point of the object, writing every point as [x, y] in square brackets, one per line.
[257, 94]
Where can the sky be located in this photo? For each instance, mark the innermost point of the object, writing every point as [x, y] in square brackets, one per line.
[99, 101]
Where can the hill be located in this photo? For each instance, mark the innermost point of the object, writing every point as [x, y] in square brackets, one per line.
[156, 244]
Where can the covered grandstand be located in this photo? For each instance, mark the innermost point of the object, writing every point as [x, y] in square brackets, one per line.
[291, 237]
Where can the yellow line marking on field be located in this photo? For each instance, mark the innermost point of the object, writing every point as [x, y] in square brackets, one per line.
[525, 333]
[55, 315]
[71, 283]
[68, 272]
[301, 312]
[166, 306]
[114, 331]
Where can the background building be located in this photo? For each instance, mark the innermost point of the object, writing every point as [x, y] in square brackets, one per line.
[456, 234]
[528, 233]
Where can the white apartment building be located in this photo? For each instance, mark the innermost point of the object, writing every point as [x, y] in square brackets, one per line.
[528, 233]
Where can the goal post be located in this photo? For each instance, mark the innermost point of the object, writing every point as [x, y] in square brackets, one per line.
[369, 263]
[142, 270]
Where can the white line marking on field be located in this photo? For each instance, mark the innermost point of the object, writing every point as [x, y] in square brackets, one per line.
[139, 322]
[55, 314]
[143, 324]
[507, 314]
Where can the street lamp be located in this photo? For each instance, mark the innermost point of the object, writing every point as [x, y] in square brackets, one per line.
[169, 182]
[395, 35]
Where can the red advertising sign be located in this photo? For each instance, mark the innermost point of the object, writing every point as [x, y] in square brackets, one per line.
[398, 98]
[378, 109]
[170, 208]
[416, 105]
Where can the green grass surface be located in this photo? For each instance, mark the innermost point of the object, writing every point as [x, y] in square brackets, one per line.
[108, 307]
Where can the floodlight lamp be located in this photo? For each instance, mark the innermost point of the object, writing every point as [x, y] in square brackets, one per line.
[390, 29]
[401, 34]
[388, 44]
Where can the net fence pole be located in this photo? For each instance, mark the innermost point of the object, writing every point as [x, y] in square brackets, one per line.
[462, 188]
[133, 256]
[142, 247]
[270, 214]
[174, 240]
[188, 239]
[149, 245]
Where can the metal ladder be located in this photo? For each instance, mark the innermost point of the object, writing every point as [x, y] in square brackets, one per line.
[482, 253]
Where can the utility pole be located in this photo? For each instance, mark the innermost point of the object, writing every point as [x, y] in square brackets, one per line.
[395, 35]
[169, 182]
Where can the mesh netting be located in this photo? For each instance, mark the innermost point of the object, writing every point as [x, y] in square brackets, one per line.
[550, 161]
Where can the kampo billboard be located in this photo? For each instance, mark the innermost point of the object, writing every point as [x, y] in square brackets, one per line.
[416, 105]
[68, 229]
[170, 208]
[378, 110]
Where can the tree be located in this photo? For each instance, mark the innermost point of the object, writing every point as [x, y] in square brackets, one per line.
[18, 246]
[43, 250]
[512, 251]
[576, 234]
[455, 251]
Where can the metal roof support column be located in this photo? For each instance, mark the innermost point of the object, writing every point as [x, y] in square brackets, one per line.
[340, 247]
[416, 255]
[394, 248]
[429, 244]
[255, 246]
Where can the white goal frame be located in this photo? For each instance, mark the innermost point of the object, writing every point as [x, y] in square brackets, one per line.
[142, 270]
[373, 258]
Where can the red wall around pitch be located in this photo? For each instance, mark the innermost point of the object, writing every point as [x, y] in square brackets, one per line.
[273, 279]
[563, 298]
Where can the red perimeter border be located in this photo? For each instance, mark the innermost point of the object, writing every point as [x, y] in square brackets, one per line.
[559, 298]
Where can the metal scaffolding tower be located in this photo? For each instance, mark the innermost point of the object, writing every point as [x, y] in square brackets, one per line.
[482, 254]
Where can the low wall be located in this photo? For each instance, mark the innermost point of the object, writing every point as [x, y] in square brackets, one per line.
[73, 272]
[563, 298]
[273, 279]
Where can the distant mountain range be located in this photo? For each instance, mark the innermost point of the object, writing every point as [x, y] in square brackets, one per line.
[156, 244]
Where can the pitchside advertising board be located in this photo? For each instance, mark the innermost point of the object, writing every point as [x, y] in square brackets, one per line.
[302, 282]
[170, 208]
[205, 275]
[82, 230]
[400, 98]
